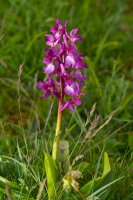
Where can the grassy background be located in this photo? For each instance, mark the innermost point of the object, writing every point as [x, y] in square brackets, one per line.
[27, 122]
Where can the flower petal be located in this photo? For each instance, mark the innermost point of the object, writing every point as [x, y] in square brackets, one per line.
[54, 29]
[63, 71]
[78, 101]
[56, 93]
[75, 87]
[46, 94]
[78, 75]
[40, 85]
[49, 37]
[78, 38]
[73, 32]
[64, 105]
[71, 106]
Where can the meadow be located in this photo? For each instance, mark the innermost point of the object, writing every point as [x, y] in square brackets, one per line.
[104, 121]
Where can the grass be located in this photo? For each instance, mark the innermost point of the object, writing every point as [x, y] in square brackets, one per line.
[27, 123]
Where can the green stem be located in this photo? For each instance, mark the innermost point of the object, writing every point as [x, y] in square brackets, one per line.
[57, 134]
[58, 125]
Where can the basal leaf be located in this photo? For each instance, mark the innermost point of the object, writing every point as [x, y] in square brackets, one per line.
[106, 165]
[51, 174]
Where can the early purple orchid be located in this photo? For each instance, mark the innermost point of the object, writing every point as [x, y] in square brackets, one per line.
[63, 65]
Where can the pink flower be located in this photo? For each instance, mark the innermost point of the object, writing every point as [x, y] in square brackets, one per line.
[63, 66]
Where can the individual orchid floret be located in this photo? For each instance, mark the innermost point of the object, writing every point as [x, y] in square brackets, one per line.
[63, 67]
[49, 88]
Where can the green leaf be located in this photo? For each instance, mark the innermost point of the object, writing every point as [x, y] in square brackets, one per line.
[100, 182]
[106, 165]
[88, 186]
[51, 174]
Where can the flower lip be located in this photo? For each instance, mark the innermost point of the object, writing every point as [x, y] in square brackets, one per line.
[49, 68]
[70, 60]
[69, 90]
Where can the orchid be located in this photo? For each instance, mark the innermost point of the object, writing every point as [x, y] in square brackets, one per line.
[63, 67]
[64, 79]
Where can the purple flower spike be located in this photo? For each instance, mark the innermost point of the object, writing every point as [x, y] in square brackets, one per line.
[63, 67]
